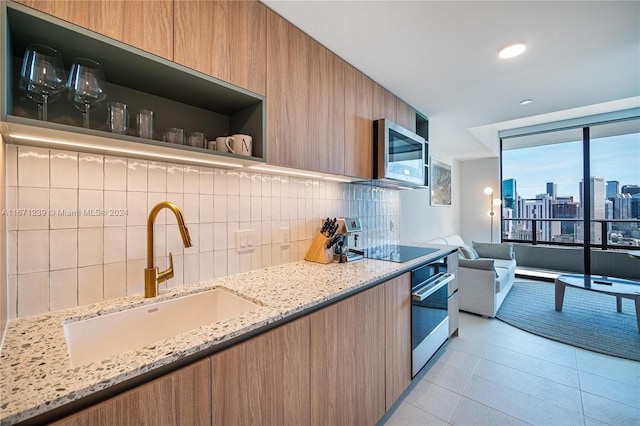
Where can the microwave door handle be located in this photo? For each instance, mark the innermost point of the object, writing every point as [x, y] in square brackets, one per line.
[429, 287]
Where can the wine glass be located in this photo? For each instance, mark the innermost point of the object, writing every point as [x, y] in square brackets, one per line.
[86, 86]
[42, 76]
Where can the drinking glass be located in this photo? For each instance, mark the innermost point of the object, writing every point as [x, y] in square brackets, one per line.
[42, 76]
[144, 122]
[117, 118]
[86, 86]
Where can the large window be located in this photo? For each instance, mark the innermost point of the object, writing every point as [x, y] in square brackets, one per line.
[557, 184]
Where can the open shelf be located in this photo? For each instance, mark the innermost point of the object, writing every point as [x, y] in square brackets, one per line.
[179, 96]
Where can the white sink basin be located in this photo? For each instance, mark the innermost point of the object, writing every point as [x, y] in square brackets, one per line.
[99, 338]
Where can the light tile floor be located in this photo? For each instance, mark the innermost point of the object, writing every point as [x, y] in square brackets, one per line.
[496, 374]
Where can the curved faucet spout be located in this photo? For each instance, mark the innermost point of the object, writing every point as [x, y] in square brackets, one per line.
[151, 275]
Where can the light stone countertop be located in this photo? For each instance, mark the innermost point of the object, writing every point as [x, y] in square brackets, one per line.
[35, 367]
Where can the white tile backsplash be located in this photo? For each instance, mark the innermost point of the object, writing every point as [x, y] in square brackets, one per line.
[63, 249]
[115, 174]
[63, 169]
[90, 244]
[33, 251]
[90, 171]
[33, 167]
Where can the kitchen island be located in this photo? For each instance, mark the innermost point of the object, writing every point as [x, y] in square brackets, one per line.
[37, 376]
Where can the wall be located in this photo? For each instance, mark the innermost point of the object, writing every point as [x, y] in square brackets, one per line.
[419, 221]
[3, 242]
[475, 175]
[60, 256]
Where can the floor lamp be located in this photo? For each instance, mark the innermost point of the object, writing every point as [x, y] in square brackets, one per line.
[493, 202]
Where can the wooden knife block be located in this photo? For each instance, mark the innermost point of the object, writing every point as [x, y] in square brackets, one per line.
[318, 252]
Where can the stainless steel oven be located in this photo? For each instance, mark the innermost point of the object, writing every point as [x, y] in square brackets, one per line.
[429, 311]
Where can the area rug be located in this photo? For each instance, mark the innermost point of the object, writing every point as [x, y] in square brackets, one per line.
[588, 320]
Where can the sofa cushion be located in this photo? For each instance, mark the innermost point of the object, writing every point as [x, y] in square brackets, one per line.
[494, 251]
[502, 278]
[484, 264]
[510, 265]
[468, 252]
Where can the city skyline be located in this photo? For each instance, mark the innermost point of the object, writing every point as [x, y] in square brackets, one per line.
[615, 158]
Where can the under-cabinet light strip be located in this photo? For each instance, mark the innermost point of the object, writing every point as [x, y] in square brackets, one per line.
[122, 151]
[286, 172]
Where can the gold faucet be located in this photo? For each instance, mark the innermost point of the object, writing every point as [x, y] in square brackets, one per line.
[151, 275]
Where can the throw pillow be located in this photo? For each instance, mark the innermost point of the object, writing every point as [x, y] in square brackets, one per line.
[468, 252]
[494, 251]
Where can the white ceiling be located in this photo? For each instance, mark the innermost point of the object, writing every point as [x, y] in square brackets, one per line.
[441, 57]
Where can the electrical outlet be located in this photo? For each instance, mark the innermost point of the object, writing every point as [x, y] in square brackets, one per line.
[392, 225]
[285, 236]
[245, 240]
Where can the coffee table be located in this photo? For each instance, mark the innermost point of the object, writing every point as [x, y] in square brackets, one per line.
[617, 287]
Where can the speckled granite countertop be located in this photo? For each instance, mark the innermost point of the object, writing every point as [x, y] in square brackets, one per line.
[35, 367]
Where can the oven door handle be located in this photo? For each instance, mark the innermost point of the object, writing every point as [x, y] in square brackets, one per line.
[429, 287]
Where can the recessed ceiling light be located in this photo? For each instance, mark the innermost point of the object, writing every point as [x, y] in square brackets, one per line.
[526, 101]
[512, 50]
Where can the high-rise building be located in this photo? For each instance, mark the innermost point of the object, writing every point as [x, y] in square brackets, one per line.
[613, 188]
[510, 196]
[630, 189]
[538, 208]
[597, 192]
[566, 207]
[552, 190]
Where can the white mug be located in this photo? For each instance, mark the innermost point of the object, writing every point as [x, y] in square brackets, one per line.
[221, 143]
[240, 144]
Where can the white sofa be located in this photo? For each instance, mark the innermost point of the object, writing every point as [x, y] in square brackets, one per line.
[484, 281]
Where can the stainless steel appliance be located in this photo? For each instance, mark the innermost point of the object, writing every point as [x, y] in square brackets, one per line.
[399, 155]
[429, 311]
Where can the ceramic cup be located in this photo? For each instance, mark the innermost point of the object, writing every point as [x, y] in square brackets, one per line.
[221, 143]
[240, 144]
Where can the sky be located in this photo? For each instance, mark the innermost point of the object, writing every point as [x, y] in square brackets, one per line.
[612, 158]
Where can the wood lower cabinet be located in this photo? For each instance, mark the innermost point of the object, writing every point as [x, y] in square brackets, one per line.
[224, 39]
[147, 25]
[347, 361]
[179, 398]
[264, 380]
[454, 303]
[397, 337]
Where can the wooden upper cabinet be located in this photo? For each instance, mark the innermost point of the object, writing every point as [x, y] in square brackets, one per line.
[384, 104]
[358, 129]
[406, 116]
[224, 39]
[147, 25]
[179, 398]
[305, 100]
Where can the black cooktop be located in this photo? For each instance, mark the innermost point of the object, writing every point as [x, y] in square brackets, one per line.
[397, 253]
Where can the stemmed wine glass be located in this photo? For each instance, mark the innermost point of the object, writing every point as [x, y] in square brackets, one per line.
[42, 76]
[86, 86]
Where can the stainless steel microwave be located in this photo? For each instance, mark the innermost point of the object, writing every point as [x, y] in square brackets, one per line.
[399, 155]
